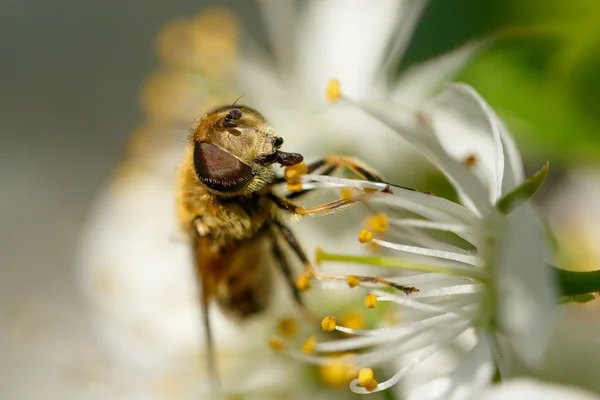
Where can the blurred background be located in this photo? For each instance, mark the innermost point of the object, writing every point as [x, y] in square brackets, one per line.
[71, 74]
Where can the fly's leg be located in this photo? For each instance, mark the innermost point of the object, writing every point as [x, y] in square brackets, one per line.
[204, 285]
[282, 262]
[327, 208]
[311, 273]
[329, 165]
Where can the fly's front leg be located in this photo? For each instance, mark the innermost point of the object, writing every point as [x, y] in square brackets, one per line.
[303, 281]
[287, 205]
[282, 262]
[328, 165]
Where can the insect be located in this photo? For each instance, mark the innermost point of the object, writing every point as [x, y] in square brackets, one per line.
[227, 205]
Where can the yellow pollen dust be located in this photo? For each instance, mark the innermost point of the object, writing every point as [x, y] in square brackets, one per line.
[353, 280]
[371, 300]
[303, 281]
[295, 186]
[365, 236]
[370, 190]
[310, 345]
[338, 372]
[294, 172]
[346, 193]
[366, 379]
[353, 320]
[328, 324]
[470, 160]
[333, 91]
[288, 327]
[378, 222]
[276, 344]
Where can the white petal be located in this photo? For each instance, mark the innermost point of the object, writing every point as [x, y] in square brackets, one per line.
[344, 39]
[526, 290]
[419, 82]
[410, 14]
[280, 18]
[417, 130]
[514, 172]
[260, 83]
[532, 389]
[464, 382]
[467, 127]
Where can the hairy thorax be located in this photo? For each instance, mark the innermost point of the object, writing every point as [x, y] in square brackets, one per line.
[225, 220]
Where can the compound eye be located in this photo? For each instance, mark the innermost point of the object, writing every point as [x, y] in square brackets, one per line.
[219, 170]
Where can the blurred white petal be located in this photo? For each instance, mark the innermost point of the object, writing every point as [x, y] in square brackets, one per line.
[526, 389]
[280, 18]
[473, 374]
[344, 39]
[410, 14]
[419, 82]
[525, 285]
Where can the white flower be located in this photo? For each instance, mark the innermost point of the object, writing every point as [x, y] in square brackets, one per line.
[482, 272]
[136, 273]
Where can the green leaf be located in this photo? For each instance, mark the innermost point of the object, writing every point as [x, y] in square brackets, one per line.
[513, 199]
[574, 283]
[582, 298]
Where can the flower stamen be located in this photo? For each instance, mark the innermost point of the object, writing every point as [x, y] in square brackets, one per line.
[366, 379]
[328, 324]
[371, 300]
[333, 92]
[310, 345]
[365, 236]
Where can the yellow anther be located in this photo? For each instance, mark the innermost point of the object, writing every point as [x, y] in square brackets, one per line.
[378, 222]
[353, 280]
[295, 186]
[346, 193]
[333, 92]
[365, 236]
[276, 344]
[370, 190]
[366, 379]
[365, 376]
[288, 327]
[353, 320]
[294, 172]
[338, 372]
[371, 300]
[310, 345]
[371, 385]
[328, 324]
[303, 281]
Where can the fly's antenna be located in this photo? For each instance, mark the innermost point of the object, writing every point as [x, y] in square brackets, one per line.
[236, 100]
